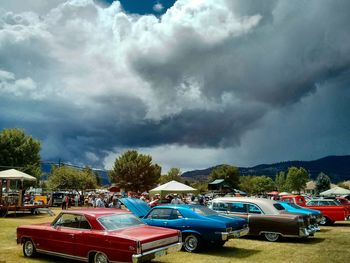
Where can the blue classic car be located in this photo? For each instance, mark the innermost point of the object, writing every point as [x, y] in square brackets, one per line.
[199, 225]
[315, 215]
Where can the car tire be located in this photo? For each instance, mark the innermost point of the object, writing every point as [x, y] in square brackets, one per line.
[272, 237]
[191, 243]
[100, 257]
[29, 248]
[325, 221]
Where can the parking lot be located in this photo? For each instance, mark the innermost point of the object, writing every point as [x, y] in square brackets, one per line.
[331, 244]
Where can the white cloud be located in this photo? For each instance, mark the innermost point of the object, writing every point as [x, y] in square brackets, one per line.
[158, 7]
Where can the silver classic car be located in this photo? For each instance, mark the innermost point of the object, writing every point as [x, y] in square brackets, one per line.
[266, 217]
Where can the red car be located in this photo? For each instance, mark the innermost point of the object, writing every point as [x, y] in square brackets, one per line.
[98, 235]
[332, 211]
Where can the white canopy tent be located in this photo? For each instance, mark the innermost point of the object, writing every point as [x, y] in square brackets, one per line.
[14, 174]
[336, 191]
[172, 187]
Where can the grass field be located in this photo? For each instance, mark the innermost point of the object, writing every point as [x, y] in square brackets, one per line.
[331, 244]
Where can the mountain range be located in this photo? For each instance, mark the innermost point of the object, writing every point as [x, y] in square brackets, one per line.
[336, 167]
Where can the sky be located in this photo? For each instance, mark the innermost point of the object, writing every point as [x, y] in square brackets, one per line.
[192, 83]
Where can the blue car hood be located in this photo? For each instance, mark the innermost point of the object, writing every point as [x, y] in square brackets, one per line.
[136, 206]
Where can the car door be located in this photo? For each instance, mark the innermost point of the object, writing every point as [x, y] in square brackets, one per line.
[159, 217]
[61, 238]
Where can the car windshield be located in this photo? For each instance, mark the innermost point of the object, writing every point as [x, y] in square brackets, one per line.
[203, 210]
[114, 222]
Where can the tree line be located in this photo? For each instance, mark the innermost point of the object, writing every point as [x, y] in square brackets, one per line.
[136, 172]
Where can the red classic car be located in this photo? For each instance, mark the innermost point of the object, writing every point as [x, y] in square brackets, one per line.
[332, 210]
[98, 235]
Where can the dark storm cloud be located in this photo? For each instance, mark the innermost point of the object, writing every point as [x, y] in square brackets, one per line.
[224, 75]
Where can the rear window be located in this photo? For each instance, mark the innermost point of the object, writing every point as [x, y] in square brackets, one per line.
[203, 210]
[114, 222]
[278, 207]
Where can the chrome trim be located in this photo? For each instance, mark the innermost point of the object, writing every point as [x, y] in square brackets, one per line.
[160, 242]
[147, 256]
[62, 255]
[233, 234]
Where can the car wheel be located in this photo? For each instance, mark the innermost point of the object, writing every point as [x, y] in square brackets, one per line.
[272, 237]
[325, 221]
[29, 248]
[192, 243]
[100, 258]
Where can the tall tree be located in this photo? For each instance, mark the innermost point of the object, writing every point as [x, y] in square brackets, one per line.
[69, 178]
[281, 181]
[20, 151]
[246, 183]
[173, 174]
[323, 183]
[296, 179]
[227, 172]
[135, 172]
[262, 184]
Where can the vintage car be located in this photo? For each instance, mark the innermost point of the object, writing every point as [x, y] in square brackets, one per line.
[266, 217]
[98, 235]
[315, 215]
[199, 224]
[332, 210]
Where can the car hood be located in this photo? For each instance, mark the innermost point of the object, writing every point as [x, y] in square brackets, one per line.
[136, 206]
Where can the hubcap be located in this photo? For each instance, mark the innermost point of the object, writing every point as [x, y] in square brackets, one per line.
[29, 248]
[101, 258]
[271, 236]
[323, 221]
[191, 243]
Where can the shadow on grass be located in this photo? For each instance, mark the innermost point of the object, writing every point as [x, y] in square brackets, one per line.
[309, 240]
[230, 252]
[341, 224]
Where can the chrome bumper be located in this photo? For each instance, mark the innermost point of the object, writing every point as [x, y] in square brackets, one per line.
[305, 232]
[234, 234]
[162, 251]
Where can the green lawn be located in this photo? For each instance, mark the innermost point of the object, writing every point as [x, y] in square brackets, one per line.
[331, 244]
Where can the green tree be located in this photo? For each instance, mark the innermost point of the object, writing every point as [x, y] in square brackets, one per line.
[202, 187]
[135, 172]
[323, 183]
[296, 179]
[245, 183]
[20, 151]
[227, 172]
[280, 181]
[173, 174]
[68, 178]
[262, 184]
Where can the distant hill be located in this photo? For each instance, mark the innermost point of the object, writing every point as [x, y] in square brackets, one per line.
[336, 167]
[46, 169]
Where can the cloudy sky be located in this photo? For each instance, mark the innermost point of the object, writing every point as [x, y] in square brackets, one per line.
[193, 83]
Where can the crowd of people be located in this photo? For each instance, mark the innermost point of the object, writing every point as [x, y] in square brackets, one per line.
[111, 200]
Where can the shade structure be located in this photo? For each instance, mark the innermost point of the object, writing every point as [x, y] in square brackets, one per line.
[336, 191]
[13, 174]
[284, 193]
[172, 187]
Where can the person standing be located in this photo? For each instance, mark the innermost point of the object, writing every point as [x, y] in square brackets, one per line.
[176, 200]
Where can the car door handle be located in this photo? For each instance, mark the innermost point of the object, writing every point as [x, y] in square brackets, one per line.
[71, 235]
[165, 223]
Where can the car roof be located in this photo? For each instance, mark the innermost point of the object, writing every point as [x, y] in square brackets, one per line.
[265, 204]
[96, 212]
